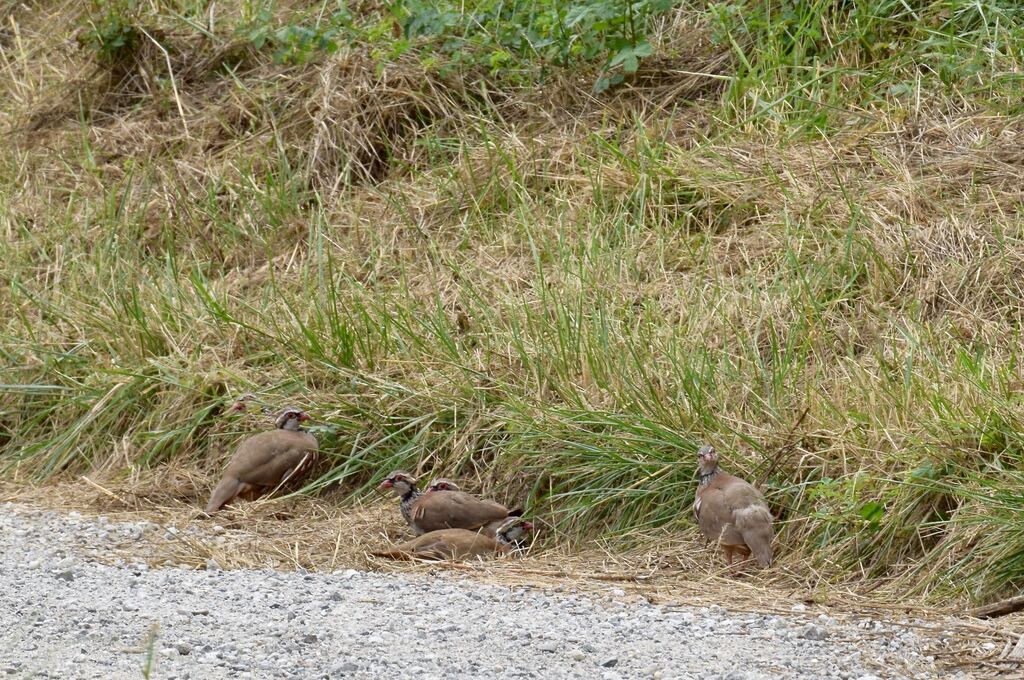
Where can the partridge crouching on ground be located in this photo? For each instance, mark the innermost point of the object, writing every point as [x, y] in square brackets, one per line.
[732, 513]
[267, 460]
[457, 510]
[458, 544]
[444, 506]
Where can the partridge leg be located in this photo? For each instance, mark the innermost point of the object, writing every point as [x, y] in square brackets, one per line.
[744, 555]
[735, 559]
[249, 492]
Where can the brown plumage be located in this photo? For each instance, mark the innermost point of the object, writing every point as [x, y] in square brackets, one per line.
[458, 544]
[444, 509]
[455, 510]
[732, 513]
[267, 460]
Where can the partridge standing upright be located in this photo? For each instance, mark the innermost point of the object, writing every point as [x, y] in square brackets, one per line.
[731, 512]
[456, 544]
[267, 460]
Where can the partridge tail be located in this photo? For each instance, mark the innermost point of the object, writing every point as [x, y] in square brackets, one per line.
[755, 525]
[433, 551]
[228, 488]
[393, 554]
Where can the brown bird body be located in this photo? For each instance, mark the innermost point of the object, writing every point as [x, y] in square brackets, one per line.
[458, 544]
[732, 513]
[266, 460]
[455, 510]
[444, 506]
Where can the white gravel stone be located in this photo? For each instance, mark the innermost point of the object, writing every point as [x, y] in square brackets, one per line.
[213, 624]
[813, 631]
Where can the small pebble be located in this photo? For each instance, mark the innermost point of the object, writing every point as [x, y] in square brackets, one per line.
[813, 631]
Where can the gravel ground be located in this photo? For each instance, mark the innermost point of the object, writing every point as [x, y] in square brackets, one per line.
[65, 612]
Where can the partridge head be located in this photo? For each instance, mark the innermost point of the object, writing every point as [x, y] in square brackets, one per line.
[707, 459]
[241, 404]
[443, 484]
[513, 532]
[267, 460]
[404, 486]
[290, 419]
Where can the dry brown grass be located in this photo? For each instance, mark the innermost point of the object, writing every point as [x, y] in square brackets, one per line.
[320, 536]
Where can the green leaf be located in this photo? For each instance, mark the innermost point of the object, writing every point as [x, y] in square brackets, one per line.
[629, 56]
[643, 49]
[872, 512]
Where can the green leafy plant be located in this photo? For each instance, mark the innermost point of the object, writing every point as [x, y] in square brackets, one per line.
[508, 38]
[113, 34]
[498, 33]
[296, 43]
[150, 645]
[872, 513]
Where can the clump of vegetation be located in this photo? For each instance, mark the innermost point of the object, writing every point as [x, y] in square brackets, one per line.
[516, 41]
[794, 231]
[111, 35]
[522, 35]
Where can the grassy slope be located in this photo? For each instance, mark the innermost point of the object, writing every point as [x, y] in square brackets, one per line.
[812, 257]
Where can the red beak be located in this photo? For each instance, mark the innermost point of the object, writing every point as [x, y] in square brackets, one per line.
[303, 416]
[387, 484]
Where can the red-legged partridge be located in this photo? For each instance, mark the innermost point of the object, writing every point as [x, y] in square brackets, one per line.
[267, 460]
[458, 544]
[731, 512]
[454, 509]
